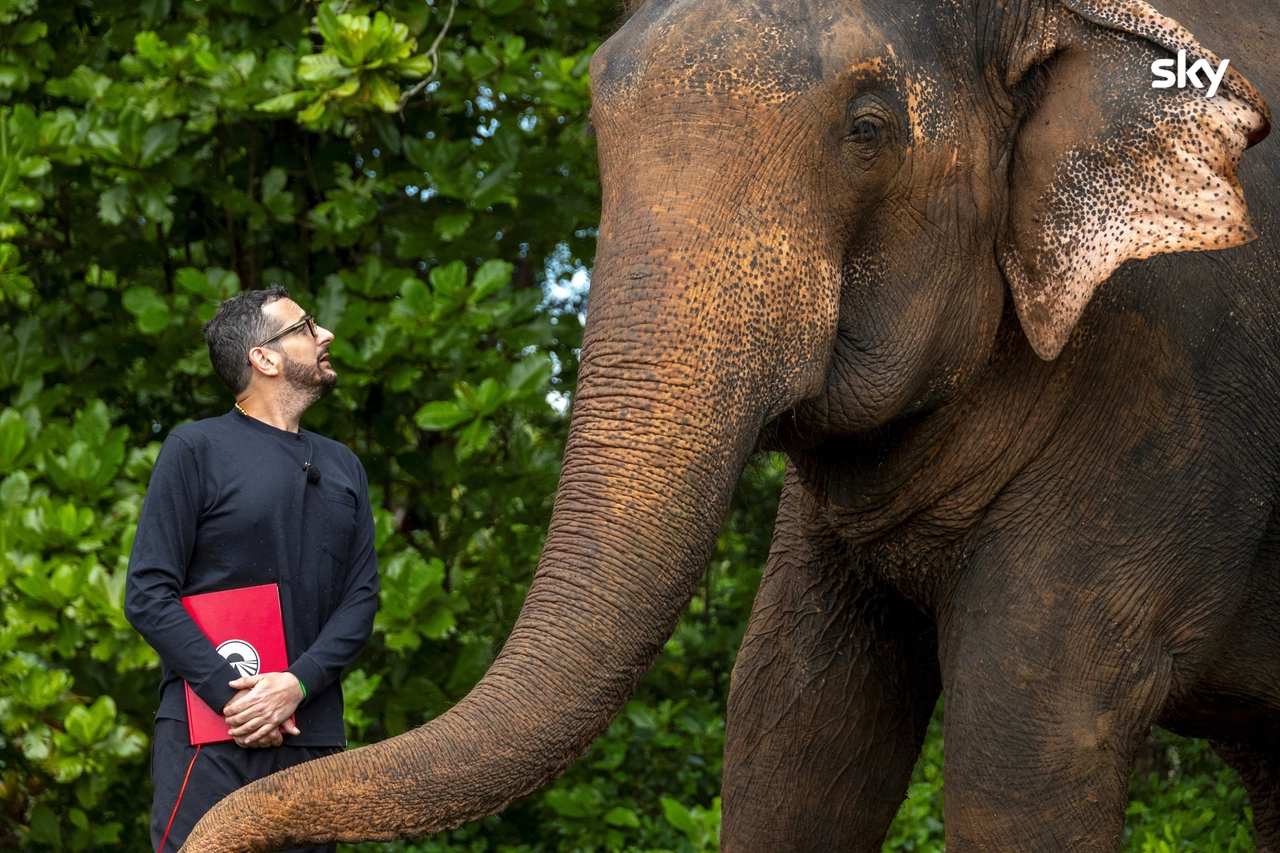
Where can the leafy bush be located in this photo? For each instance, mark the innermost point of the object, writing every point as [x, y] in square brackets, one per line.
[146, 172]
[1184, 798]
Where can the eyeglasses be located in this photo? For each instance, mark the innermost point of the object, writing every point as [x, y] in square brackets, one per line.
[308, 321]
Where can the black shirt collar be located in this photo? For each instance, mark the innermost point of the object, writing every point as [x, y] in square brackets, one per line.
[267, 429]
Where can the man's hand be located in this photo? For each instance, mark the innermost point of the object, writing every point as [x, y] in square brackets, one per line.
[258, 716]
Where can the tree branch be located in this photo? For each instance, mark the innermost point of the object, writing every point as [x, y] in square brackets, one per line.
[434, 53]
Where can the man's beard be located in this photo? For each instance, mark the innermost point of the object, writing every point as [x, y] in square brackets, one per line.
[309, 382]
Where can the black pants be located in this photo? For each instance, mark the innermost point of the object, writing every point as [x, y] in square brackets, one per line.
[220, 769]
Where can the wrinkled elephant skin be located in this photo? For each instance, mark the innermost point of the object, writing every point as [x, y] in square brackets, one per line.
[1014, 316]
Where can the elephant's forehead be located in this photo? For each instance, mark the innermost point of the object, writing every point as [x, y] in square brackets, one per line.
[764, 50]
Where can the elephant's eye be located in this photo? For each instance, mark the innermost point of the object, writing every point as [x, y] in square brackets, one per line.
[866, 130]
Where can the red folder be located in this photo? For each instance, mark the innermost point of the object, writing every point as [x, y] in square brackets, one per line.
[246, 627]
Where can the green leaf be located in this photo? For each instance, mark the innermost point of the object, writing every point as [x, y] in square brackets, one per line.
[106, 834]
[15, 489]
[288, 102]
[382, 93]
[567, 803]
[149, 308]
[357, 687]
[24, 200]
[140, 299]
[529, 376]
[513, 48]
[159, 142]
[130, 132]
[453, 225]
[37, 743]
[322, 68]
[152, 194]
[489, 396]
[678, 816]
[195, 281]
[28, 32]
[14, 286]
[494, 188]
[312, 113]
[225, 282]
[44, 826]
[492, 275]
[331, 302]
[90, 725]
[441, 415]
[327, 22]
[415, 67]
[417, 297]
[474, 438]
[13, 437]
[618, 816]
[34, 167]
[282, 204]
[113, 205]
[449, 279]
[84, 84]
[437, 623]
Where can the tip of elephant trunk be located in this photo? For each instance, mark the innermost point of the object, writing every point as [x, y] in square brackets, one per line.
[1259, 134]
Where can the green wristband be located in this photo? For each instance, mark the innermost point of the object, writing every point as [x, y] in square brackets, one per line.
[300, 684]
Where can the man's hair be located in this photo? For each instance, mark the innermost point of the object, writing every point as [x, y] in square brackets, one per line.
[238, 326]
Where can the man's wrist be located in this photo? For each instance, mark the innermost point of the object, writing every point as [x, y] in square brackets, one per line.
[301, 686]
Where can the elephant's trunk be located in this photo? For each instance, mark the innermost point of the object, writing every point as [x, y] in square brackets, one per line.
[713, 309]
[667, 411]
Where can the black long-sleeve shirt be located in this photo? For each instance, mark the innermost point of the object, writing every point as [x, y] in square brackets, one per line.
[230, 506]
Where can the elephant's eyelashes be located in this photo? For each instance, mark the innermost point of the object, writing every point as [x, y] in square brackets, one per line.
[867, 130]
[866, 125]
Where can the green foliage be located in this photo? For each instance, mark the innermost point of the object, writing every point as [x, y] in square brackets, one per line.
[66, 652]
[1185, 799]
[412, 171]
[149, 169]
[918, 826]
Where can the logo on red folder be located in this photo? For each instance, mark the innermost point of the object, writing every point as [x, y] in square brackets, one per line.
[242, 657]
[246, 628]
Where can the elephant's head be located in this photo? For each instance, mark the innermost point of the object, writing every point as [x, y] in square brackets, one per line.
[811, 208]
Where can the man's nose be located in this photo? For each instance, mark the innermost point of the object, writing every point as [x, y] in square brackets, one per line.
[323, 335]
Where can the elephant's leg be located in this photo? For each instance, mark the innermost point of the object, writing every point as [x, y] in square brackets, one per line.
[1259, 768]
[1051, 689]
[1240, 691]
[831, 696]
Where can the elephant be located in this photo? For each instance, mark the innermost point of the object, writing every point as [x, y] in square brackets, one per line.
[1000, 301]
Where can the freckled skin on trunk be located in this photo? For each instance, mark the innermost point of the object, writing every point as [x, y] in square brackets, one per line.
[837, 230]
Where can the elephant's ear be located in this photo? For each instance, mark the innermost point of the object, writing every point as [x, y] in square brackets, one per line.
[1107, 168]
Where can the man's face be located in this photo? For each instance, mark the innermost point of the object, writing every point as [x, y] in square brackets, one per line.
[306, 358]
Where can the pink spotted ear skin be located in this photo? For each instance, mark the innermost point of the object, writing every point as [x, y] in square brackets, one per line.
[1141, 19]
[1154, 174]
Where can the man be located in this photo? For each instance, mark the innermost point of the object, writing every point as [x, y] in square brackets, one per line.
[242, 500]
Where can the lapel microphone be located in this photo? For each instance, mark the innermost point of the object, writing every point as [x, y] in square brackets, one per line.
[313, 473]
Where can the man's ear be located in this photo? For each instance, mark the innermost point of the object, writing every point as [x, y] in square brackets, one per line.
[1107, 168]
[260, 358]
